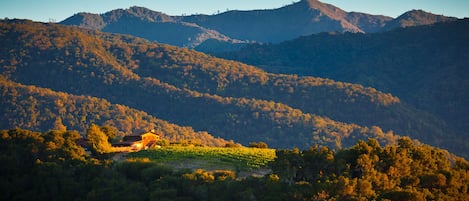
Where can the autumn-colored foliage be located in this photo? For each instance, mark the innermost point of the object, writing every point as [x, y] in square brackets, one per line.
[50, 166]
[225, 98]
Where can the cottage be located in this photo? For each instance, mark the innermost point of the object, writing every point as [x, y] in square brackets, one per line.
[137, 142]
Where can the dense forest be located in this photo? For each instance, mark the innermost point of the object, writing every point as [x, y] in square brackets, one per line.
[41, 109]
[225, 98]
[51, 166]
[424, 66]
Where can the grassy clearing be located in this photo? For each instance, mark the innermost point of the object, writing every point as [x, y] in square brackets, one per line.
[208, 157]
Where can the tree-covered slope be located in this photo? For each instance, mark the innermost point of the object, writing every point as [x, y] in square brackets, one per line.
[40, 109]
[227, 99]
[340, 101]
[425, 66]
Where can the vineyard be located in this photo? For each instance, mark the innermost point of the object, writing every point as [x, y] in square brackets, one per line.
[241, 158]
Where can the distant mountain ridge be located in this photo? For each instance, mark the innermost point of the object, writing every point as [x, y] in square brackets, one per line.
[416, 18]
[271, 25]
[148, 24]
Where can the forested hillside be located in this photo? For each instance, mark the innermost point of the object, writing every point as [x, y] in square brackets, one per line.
[228, 99]
[42, 109]
[424, 66]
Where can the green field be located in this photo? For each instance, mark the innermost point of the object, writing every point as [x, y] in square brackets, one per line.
[239, 159]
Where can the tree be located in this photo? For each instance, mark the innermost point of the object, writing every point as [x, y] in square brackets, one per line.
[98, 140]
[58, 125]
[111, 132]
[261, 145]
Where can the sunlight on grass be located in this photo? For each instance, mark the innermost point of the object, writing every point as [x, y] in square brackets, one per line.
[241, 158]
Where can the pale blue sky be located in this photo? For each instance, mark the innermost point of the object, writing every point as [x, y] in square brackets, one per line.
[43, 10]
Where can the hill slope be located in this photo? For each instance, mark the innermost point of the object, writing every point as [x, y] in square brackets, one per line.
[424, 66]
[42, 109]
[227, 99]
[94, 69]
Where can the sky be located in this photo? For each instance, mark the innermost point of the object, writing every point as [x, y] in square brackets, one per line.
[58, 10]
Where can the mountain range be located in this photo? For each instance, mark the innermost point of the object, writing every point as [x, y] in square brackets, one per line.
[301, 18]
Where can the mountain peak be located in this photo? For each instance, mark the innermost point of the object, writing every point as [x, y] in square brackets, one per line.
[422, 15]
[327, 9]
[323, 6]
[334, 13]
[141, 13]
[149, 15]
[85, 20]
[417, 18]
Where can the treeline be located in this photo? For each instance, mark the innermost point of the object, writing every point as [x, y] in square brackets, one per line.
[50, 166]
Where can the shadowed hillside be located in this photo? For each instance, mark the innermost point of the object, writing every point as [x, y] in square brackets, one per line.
[425, 66]
[416, 18]
[145, 23]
